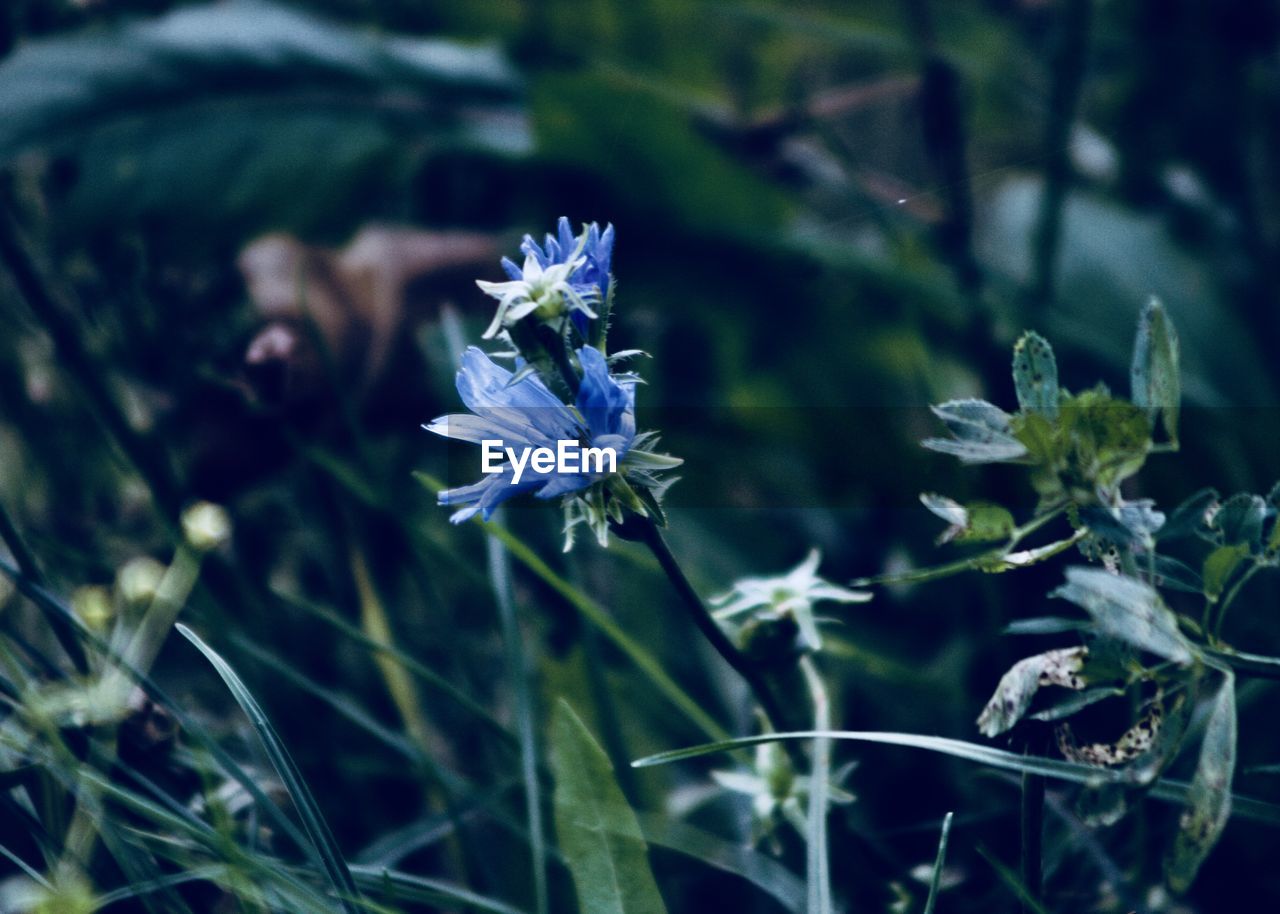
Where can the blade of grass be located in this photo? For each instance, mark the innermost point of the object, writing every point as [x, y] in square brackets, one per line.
[317, 829]
[27, 563]
[1010, 878]
[597, 616]
[189, 725]
[378, 880]
[761, 870]
[417, 668]
[935, 880]
[499, 561]
[1164, 789]
[374, 621]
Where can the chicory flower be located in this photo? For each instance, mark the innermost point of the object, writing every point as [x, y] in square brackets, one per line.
[564, 273]
[523, 413]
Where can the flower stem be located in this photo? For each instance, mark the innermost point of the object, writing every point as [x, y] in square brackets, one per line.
[817, 862]
[706, 624]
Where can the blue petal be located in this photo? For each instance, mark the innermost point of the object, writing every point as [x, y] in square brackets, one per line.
[512, 269]
[607, 405]
[486, 389]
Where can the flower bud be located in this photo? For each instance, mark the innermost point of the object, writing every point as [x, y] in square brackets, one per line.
[138, 580]
[93, 605]
[206, 526]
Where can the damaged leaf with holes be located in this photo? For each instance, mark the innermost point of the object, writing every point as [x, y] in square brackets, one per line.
[1209, 800]
[1025, 678]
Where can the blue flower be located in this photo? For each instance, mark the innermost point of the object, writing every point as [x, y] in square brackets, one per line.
[523, 413]
[592, 252]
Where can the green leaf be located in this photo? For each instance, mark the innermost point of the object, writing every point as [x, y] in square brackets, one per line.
[313, 822]
[1219, 565]
[1154, 376]
[1239, 520]
[1035, 375]
[981, 432]
[1109, 438]
[598, 832]
[405, 887]
[1176, 575]
[247, 115]
[1127, 610]
[1165, 789]
[1073, 703]
[1044, 625]
[976, 522]
[1019, 686]
[1209, 799]
[758, 868]
[1189, 517]
[597, 616]
[1273, 509]
[973, 752]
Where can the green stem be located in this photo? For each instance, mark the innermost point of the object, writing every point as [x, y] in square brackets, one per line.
[1032, 838]
[817, 860]
[517, 667]
[27, 563]
[707, 625]
[1040, 520]
[1230, 598]
[117, 683]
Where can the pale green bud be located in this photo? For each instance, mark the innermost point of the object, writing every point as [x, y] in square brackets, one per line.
[206, 526]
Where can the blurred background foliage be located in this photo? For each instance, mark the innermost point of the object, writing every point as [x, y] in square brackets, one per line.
[251, 214]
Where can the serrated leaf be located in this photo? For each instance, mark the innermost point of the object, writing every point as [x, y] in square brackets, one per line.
[1239, 520]
[1035, 375]
[1209, 798]
[1219, 565]
[1019, 685]
[1109, 439]
[981, 430]
[599, 834]
[1127, 610]
[1154, 376]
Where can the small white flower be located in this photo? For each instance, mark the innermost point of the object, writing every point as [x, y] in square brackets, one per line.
[777, 792]
[792, 594]
[545, 291]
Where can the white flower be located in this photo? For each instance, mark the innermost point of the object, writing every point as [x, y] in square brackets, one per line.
[792, 594]
[545, 291]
